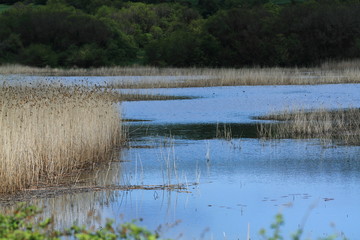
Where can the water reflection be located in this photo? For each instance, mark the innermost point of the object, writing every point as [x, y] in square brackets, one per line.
[238, 186]
[196, 131]
[248, 184]
[243, 180]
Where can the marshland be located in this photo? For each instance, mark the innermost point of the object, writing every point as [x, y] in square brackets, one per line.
[211, 162]
[193, 119]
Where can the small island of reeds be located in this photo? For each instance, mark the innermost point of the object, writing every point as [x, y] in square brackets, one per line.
[341, 125]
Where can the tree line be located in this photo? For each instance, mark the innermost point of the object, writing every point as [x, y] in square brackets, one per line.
[185, 33]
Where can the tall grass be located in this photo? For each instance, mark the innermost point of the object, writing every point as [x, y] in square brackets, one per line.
[48, 132]
[340, 125]
[327, 73]
[245, 77]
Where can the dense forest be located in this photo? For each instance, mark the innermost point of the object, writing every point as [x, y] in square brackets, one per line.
[184, 33]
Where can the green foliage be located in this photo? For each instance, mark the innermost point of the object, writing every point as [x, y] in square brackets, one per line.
[22, 224]
[183, 49]
[18, 225]
[230, 33]
[3, 7]
[279, 221]
[40, 36]
[277, 235]
[10, 48]
[244, 35]
[39, 55]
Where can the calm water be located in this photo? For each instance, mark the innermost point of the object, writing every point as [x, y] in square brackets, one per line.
[243, 181]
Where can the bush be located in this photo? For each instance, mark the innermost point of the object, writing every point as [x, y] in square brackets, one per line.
[20, 225]
[38, 55]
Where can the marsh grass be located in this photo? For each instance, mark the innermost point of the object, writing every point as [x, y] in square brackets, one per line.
[47, 133]
[121, 97]
[244, 77]
[327, 73]
[342, 126]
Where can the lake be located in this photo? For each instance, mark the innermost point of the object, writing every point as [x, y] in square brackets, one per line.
[233, 183]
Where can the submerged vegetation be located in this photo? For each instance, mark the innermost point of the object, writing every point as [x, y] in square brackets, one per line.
[341, 126]
[47, 133]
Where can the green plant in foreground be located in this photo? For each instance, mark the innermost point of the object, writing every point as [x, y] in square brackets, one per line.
[129, 231]
[23, 223]
[18, 225]
[277, 235]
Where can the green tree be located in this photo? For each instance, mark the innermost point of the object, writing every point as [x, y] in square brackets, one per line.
[319, 31]
[184, 49]
[38, 55]
[57, 28]
[244, 35]
[10, 48]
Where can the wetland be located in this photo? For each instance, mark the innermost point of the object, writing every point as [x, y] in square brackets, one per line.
[196, 167]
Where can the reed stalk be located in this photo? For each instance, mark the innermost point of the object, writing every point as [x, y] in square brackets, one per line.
[49, 132]
[342, 125]
[327, 73]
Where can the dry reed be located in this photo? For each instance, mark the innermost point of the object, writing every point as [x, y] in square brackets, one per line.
[47, 132]
[327, 73]
[244, 77]
[340, 125]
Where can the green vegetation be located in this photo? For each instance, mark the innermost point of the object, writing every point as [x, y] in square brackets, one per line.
[23, 223]
[213, 33]
[277, 235]
[3, 7]
[287, 1]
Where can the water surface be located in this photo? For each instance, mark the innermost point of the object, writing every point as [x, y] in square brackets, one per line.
[243, 181]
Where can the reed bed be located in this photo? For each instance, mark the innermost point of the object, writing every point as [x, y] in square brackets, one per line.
[341, 65]
[101, 71]
[327, 73]
[246, 77]
[129, 97]
[47, 133]
[343, 125]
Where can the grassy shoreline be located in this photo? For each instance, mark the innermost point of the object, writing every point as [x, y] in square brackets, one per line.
[328, 73]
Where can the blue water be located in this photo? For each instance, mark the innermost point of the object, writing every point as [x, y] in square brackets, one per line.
[247, 180]
[243, 182]
[238, 104]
